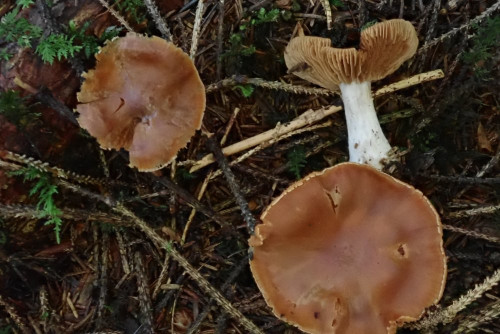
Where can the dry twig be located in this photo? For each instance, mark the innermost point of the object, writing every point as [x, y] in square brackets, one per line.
[116, 15]
[159, 21]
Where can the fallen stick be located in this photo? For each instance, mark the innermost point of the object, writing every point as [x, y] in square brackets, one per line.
[411, 81]
[310, 117]
[307, 118]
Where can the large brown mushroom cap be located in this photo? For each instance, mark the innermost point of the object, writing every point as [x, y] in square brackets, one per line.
[144, 95]
[349, 250]
[383, 48]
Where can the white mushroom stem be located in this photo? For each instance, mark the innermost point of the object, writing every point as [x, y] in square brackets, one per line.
[367, 143]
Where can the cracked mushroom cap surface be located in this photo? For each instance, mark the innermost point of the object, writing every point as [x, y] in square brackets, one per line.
[349, 250]
[144, 95]
[383, 48]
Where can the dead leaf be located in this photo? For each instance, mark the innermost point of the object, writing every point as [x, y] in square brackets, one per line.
[482, 140]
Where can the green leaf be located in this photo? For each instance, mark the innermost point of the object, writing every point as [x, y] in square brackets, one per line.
[19, 30]
[25, 3]
[57, 45]
[246, 90]
[14, 108]
[45, 190]
[266, 16]
[368, 24]
[5, 55]
[337, 3]
[296, 160]
[249, 50]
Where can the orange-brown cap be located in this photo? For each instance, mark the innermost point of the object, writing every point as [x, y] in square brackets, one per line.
[383, 48]
[349, 250]
[144, 95]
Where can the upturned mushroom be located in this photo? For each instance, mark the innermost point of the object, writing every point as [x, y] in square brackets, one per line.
[383, 48]
[349, 250]
[145, 95]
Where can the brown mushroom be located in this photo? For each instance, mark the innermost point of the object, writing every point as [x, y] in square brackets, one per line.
[383, 48]
[349, 250]
[144, 95]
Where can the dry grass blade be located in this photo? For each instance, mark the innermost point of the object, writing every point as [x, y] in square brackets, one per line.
[472, 234]
[45, 167]
[474, 212]
[12, 312]
[196, 28]
[446, 315]
[31, 212]
[471, 322]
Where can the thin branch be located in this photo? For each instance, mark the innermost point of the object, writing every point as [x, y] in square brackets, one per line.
[478, 19]
[46, 97]
[309, 117]
[230, 279]
[144, 294]
[328, 13]
[159, 21]
[220, 39]
[116, 15]
[233, 185]
[103, 279]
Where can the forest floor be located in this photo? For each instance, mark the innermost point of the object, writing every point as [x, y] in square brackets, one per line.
[108, 249]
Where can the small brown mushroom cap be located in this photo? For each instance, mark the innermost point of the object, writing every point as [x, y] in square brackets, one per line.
[144, 95]
[383, 48]
[349, 250]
